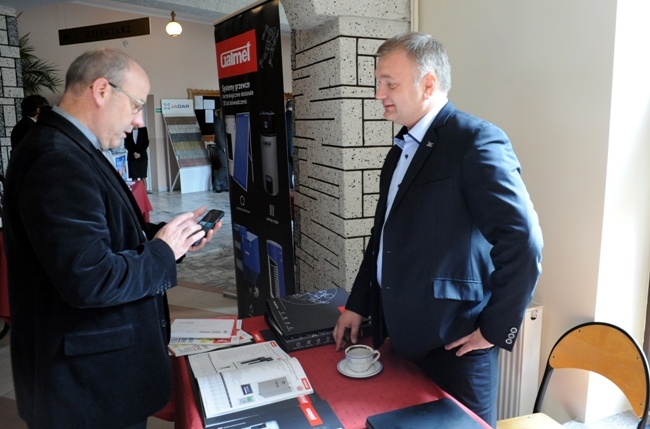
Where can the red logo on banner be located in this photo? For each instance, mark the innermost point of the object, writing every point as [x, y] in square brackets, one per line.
[237, 55]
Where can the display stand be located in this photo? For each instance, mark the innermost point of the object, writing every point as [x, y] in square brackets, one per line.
[249, 59]
[187, 146]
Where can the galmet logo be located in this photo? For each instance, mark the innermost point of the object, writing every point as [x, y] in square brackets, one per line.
[237, 55]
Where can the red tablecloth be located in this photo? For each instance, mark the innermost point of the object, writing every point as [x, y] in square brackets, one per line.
[400, 384]
[4, 286]
[140, 194]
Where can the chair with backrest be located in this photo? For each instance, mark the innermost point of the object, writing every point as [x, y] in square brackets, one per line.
[601, 348]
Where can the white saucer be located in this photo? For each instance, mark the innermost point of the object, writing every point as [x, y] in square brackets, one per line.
[374, 369]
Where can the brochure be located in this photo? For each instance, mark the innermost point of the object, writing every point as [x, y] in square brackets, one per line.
[246, 377]
[189, 346]
[218, 328]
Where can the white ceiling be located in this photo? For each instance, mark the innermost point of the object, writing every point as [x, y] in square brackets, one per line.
[203, 11]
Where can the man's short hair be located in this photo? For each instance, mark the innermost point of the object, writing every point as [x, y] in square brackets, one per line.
[30, 104]
[429, 55]
[109, 63]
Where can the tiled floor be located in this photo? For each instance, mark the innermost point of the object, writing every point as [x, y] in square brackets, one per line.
[203, 277]
[625, 420]
[214, 265]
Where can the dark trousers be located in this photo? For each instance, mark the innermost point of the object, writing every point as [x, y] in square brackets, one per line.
[140, 425]
[473, 379]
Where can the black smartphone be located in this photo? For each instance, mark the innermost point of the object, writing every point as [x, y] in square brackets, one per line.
[208, 221]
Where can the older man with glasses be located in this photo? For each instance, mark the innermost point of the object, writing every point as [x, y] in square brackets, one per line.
[87, 275]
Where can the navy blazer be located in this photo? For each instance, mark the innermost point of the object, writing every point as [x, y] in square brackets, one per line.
[462, 243]
[87, 282]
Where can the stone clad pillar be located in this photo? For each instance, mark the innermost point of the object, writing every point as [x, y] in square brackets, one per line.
[340, 136]
[11, 82]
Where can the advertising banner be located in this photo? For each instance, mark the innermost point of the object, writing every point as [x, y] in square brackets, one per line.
[249, 64]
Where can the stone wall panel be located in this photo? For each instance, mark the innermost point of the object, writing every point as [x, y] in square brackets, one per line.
[11, 81]
[341, 136]
[371, 182]
[378, 133]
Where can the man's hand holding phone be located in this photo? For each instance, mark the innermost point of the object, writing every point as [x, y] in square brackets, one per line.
[183, 233]
[207, 223]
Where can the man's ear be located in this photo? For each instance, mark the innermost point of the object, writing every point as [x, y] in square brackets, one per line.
[430, 82]
[100, 90]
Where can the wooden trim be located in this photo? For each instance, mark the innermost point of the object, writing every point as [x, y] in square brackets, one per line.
[191, 93]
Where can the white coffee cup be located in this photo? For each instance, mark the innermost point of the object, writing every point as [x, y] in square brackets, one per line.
[359, 358]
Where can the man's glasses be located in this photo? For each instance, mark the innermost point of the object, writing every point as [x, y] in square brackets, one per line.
[136, 103]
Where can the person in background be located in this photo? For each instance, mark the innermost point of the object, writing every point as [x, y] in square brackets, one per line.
[455, 251]
[30, 108]
[136, 144]
[87, 276]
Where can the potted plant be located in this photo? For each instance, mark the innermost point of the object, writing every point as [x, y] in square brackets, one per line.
[37, 73]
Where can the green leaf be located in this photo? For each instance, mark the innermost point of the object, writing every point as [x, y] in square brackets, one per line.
[36, 73]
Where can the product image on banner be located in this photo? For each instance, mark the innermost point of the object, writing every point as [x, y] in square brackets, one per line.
[269, 145]
[251, 250]
[242, 149]
[230, 141]
[276, 268]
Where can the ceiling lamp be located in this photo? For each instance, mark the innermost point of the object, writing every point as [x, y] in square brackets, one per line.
[173, 28]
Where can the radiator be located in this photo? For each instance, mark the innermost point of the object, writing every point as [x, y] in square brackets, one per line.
[519, 369]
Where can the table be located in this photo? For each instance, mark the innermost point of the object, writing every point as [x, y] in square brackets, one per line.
[400, 384]
[140, 194]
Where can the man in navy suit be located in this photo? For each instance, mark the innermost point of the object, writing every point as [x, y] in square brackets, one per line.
[87, 275]
[455, 251]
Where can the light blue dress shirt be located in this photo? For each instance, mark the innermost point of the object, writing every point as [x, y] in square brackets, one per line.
[409, 145]
[89, 134]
